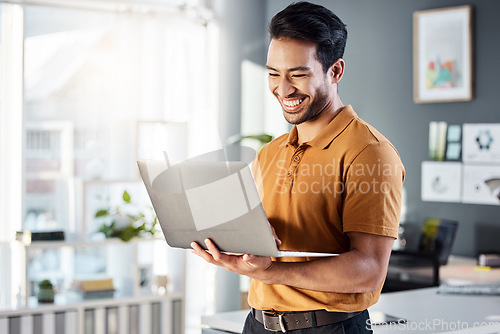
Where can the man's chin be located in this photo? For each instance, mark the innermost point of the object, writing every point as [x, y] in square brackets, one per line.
[293, 117]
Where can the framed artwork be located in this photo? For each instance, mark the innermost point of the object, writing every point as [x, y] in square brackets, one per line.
[481, 143]
[441, 181]
[442, 55]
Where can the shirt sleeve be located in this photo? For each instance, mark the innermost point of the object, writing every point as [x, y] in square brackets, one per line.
[373, 191]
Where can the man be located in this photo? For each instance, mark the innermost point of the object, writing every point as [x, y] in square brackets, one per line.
[333, 184]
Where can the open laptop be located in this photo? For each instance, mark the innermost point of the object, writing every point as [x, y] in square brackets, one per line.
[435, 245]
[196, 200]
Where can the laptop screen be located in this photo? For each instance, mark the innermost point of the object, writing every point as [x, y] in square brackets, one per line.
[437, 238]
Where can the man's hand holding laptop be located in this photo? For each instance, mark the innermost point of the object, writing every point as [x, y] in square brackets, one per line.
[253, 266]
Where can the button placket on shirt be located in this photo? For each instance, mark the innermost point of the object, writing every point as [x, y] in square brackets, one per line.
[294, 163]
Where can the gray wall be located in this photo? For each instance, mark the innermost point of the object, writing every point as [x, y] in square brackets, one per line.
[242, 25]
[242, 30]
[378, 83]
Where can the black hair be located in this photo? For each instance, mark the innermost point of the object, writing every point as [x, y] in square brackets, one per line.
[310, 22]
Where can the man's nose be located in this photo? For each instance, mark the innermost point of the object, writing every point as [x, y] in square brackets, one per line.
[285, 87]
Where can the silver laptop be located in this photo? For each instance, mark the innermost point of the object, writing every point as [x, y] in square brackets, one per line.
[196, 200]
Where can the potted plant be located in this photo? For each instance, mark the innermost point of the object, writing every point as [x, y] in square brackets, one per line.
[45, 292]
[126, 221]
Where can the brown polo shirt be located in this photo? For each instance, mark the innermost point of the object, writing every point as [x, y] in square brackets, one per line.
[348, 178]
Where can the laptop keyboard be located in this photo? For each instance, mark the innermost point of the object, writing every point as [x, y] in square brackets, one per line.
[492, 288]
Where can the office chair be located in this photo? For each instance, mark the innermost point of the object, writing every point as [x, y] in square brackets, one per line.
[420, 269]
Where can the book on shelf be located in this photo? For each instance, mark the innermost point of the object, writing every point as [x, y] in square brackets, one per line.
[27, 237]
[94, 288]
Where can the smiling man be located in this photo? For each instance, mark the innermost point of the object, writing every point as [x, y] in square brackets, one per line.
[333, 185]
[301, 90]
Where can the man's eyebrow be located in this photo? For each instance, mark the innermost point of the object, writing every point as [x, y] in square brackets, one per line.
[299, 68]
[293, 69]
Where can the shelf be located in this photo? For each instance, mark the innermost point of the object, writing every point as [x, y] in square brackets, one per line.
[80, 243]
[62, 304]
[61, 194]
[129, 264]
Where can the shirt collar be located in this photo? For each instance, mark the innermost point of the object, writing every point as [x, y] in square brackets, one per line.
[329, 133]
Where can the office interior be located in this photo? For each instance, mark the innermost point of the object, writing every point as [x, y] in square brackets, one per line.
[190, 74]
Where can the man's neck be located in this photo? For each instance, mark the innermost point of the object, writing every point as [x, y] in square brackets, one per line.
[308, 130]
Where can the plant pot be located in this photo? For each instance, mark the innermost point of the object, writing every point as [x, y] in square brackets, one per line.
[45, 295]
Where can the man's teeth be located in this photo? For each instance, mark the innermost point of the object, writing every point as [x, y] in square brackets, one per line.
[292, 103]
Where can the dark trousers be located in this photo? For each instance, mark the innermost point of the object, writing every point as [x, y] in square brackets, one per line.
[356, 325]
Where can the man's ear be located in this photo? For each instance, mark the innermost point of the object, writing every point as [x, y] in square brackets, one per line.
[336, 71]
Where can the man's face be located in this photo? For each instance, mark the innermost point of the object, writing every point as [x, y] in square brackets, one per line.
[297, 79]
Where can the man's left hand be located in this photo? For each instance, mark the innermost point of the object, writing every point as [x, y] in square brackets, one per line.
[249, 265]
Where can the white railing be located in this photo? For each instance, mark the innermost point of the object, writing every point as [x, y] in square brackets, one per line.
[154, 316]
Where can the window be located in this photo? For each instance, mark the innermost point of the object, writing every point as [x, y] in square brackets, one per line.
[91, 82]
[84, 93]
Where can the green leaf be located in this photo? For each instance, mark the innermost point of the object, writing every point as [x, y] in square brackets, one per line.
[101, 213]
[128, 233]
[107, 230]
[45, 284]
[126, 197]
[262, 138]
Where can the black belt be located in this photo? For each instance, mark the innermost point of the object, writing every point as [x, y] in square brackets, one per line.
[287, 321]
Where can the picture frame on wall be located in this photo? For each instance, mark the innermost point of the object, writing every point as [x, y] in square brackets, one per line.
[442, 55]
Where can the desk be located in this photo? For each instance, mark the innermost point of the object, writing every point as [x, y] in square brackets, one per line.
[425, 310]
[458, 270]
[429, 312]
[227, 321]
[462, 269]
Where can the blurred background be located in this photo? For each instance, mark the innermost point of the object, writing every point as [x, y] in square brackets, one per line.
[88, 87]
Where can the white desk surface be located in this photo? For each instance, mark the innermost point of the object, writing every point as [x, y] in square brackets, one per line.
[227, 321]
[429, 312]
[425, 310]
